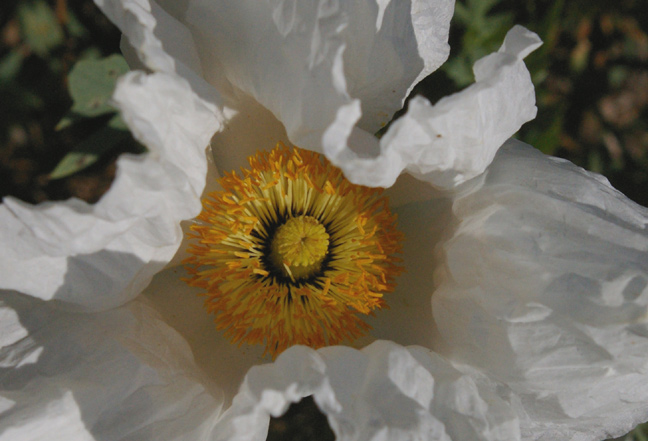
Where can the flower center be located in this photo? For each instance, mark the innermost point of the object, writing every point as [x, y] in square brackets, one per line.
[290, 252]
[299, 247]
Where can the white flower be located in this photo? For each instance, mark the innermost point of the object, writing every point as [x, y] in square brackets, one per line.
[536, 271]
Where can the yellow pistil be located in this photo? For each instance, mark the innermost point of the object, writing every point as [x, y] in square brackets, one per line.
[290, 252]
[299, 247]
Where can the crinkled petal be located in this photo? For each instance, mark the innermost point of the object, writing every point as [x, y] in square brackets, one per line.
[545, 289]
[102, 255]
[161, 43]
[110, 376]
[382, 392]
[452, 141]
[155, 38]
[327, 71]
[305, 60]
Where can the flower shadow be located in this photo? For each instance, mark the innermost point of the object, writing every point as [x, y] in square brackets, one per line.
[103, 280]
[426, 224]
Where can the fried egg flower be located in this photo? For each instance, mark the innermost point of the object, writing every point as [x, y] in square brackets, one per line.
[521, 311]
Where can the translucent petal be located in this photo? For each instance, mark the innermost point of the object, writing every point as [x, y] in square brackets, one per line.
[100, 256]
[382, 392]
[452, 141]
[117, 375]
[426, 224]
[545, 288]
[305, 60]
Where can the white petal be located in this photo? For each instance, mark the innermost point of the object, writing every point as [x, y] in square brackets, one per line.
[109, 376]
[452, 141]
[305, 60]
[383, 392]
[425, 224]
[155, 39]
[545, 288]
[322, 68]
[182, 307]
[382, 63]
[161, 42]
[431, 20]
[249, 128]
[100, 256]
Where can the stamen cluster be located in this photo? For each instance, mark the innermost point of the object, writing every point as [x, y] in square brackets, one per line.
[290, 252]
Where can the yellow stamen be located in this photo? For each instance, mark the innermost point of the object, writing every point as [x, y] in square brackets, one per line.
[290, 252]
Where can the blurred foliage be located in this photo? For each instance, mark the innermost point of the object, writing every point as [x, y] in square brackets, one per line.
[639, 434]
[591, 77]
[42, 156]
[91, 83]
[482, 29]
[593, 98]
[40, 27]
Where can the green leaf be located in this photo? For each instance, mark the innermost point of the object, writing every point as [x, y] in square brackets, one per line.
[459, 69]
[90, 150]
[481, 7]
[10, 65]
[21, 98]
[641, 432]
[594, 162]
[68, 120]
[117, 123]
[482, 33]
[462, 14]
[75, 27]
[92, 83]
[546, 137]
[40, 28]
[617, 75]
[91, 53]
